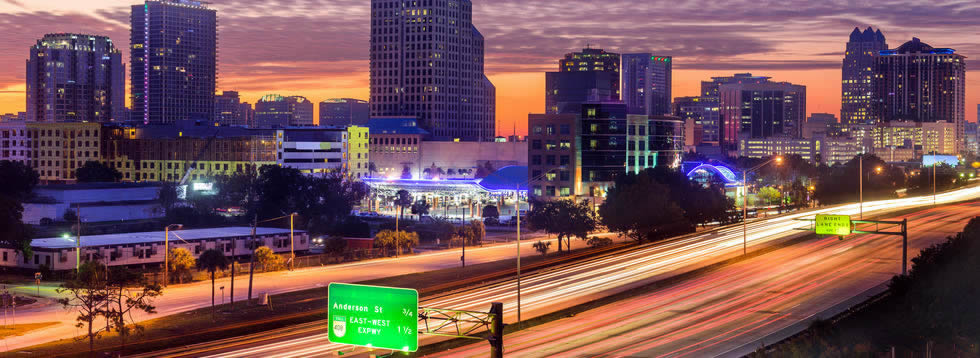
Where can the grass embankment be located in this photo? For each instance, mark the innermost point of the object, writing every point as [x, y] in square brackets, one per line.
[288, 309]
[12, 330]
[935, 308]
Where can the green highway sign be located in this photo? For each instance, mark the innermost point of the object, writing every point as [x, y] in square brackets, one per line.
[839, 225]
[373, 317]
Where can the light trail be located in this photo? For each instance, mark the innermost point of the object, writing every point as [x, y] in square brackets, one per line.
[567, 286]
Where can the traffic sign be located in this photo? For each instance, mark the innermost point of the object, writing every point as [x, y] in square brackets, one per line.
[373, 316]
[839, 225]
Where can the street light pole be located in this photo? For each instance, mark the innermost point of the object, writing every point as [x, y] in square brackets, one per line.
[745, 195]
[292, 253]
[517, 212]
[745, 212]
[861, 185]
[934, 179]
[166, 252]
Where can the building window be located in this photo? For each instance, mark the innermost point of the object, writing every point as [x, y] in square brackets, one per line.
[535, 144]
[535, 160]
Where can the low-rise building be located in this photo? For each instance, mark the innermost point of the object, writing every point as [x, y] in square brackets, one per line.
[778, 145]
[148, 248]
[94, 202]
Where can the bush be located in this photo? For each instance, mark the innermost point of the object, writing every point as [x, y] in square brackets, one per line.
[596, 241]
[269, 260]
[542, 247]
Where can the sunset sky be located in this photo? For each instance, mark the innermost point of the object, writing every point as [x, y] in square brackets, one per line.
[319, 48]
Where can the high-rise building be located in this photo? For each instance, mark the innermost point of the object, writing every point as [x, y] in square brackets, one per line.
[566, 91]
[75, 78]
[919, 83]
[427, 61]
[173, 61]
[344, 112]
[711, 102]
[229, 110]
[857, 84]
[646, 83]
[760, 110]
[693, 111]
[275, 111]
[580, 155]
[594, 60]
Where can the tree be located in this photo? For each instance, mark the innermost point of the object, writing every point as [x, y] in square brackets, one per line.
[211, 261]
[421, 208]
[18, 181]
[269, 260]
[542, 247]
[485, 170]
[403, 199]
[87, 293]
[769, 195]
[335, 245]
[129, 292]
[372, 169]
[406, 172]
[640, 208]
[395, 240]
[168, 196]
[181, 263]
[70, 216]
[491, 214]
[96, 172]
[471, 234]
[564, 218]
[596, 241]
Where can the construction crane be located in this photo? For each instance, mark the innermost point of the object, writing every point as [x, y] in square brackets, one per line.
[193, 164]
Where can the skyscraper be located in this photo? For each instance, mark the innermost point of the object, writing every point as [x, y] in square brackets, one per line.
[344, 111]
[173, 61]
[594, 60]
[75, 78]
[427, 61]
[856, 86]
[919, 83]
[646, 83]
[760, 110]
[711, 121]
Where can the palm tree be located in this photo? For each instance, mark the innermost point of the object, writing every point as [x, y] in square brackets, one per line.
[212, 260]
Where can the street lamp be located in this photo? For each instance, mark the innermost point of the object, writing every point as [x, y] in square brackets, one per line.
[745, 196]
[517, 213]
[166, 250]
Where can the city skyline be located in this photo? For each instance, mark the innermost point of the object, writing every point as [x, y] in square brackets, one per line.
[523, 41]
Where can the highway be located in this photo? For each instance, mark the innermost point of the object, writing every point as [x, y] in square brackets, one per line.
[709, 315]
[182, 298]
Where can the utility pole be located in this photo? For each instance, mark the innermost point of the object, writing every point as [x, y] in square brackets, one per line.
[861, 185]
[292, 254]
[78, 236]
[166, 255]
[251, 257]
[497, 330]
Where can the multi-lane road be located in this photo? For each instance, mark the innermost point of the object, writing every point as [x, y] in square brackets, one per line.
[182, 298]
[723, 312]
